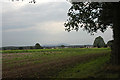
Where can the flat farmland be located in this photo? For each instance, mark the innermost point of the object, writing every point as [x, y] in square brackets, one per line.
[55, 63]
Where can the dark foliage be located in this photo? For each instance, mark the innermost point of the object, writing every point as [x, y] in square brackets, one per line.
[32, 1]
[37, 46]
[90, 16]
[99, 42]
[110, 43]
[20, 48]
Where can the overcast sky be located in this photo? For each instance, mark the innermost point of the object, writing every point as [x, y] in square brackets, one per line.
[27, 24]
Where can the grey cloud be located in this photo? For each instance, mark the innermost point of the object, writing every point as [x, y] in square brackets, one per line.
[32, 14]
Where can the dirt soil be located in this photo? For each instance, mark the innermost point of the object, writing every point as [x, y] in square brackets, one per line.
[48, 69]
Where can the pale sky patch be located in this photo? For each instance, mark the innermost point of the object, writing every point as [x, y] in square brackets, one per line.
[51, 27]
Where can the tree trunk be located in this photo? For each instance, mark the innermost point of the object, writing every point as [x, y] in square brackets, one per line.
[115, 57]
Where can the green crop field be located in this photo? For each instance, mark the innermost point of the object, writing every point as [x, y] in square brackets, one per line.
[56, 63]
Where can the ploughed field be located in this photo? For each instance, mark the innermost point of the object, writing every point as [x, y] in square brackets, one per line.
[56, 63]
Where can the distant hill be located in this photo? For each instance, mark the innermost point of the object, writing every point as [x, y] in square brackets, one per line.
[45, 46]
[50, 45]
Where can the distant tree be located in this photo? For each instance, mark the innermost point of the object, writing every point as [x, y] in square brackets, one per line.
[4, 48]
[85, 46]
[20, 48]
[110, 43]
[62, 46]
[37, 46]
[99, 42]
[31, 47]
[105, 45]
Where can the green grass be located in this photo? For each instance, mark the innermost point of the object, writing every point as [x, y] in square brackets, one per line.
[85, 70]
[61, 63]
[50, 53]
[50, 50]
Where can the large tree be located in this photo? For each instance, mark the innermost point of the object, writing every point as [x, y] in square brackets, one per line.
[37, 46]
[94, 16]
[99, 42]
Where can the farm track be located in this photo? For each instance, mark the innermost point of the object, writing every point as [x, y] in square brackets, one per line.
[48, 69]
